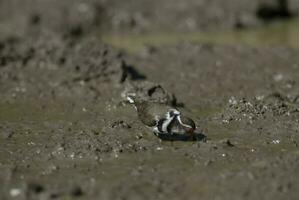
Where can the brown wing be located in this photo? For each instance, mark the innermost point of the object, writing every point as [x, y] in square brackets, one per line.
[144, 115]
[148, 112]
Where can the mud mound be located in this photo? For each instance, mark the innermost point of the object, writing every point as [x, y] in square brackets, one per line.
[31, 65]
[148, 91]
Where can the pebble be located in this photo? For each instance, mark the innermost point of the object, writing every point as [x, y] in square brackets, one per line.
[276, 141]
[15, 192]
[159, 148]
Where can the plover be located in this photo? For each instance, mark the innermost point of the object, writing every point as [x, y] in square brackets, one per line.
[161, 118]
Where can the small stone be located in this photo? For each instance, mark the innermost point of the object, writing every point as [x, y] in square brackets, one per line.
[232, 101]
[159, 148]
[276, 141]
[278, 77]
[15, 192]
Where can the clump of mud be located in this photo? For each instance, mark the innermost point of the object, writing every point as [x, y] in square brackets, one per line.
[65, 66]
[149, 91]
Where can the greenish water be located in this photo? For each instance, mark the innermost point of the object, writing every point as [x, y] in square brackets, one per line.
[30, 111]
[284, 33]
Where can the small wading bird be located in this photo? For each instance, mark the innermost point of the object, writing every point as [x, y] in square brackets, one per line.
[162, 118]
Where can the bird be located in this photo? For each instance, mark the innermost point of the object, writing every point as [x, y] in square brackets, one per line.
[162, 118]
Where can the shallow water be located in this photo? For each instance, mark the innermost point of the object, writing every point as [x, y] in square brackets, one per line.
[282, 33]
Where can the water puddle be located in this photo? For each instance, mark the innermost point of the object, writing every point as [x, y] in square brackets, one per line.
[284, 33]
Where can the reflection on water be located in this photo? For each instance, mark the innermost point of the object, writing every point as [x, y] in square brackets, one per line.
[283, 33]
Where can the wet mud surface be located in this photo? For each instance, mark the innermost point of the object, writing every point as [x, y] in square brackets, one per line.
[66, 131]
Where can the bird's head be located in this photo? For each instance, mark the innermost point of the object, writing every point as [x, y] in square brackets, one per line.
[187, 124]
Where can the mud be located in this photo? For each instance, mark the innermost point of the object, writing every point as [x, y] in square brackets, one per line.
[67, 133]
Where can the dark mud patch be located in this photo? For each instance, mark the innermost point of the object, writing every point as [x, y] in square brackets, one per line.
[271, 12]
[149, 16]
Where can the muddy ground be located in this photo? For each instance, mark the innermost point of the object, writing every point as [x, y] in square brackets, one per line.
[66, 132]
